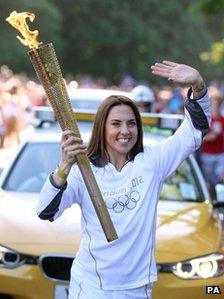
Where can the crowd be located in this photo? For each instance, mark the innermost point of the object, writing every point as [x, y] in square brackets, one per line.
[18, 94]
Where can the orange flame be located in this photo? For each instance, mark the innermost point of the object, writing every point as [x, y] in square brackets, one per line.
[18, 20]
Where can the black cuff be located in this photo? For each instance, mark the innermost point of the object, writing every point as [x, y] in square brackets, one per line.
[197, 114]
[55, 185]
[189, 93]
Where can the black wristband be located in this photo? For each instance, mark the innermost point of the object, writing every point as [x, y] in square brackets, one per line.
[189, 93]
[55, 185]
[197, 114]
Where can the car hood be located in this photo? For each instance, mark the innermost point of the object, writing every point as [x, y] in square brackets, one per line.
[22, 230]
[186, 230]
[183, 229]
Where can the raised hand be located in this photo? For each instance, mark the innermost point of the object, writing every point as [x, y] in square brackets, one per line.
[180, 73]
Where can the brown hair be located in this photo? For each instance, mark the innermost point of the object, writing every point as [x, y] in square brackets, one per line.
[96, 149]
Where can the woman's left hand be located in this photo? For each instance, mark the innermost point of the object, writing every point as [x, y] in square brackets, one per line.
[180, 73]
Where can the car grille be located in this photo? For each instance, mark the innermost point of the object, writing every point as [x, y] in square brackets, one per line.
[56, 267]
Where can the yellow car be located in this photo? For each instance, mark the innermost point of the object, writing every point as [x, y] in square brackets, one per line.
[36, 256]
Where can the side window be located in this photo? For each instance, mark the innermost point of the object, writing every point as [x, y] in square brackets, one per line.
[181, 185]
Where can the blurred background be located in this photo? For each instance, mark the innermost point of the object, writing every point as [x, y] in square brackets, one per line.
[109, 44]
[110, 39]
[107, 47]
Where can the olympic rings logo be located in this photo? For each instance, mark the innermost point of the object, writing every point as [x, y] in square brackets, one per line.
[128, 201]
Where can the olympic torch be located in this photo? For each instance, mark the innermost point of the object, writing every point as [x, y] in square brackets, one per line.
[46, 65]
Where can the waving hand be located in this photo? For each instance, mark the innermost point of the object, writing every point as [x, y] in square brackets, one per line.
[180, 73]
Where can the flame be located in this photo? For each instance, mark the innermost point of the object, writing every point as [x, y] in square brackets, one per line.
[18, 20]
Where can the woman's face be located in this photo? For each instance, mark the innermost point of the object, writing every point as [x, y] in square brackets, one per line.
[121, 131]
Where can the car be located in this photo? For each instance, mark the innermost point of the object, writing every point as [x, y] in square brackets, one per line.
[91, 98]
[36, 256]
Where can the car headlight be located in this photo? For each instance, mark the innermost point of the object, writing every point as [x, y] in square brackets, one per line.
[198, 268]
[9, 258]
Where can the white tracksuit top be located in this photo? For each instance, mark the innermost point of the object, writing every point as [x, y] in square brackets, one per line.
[131, 197]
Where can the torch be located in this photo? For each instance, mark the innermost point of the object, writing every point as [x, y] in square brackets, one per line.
[46, 65]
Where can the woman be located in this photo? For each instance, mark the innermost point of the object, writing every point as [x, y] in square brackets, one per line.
[130, 178]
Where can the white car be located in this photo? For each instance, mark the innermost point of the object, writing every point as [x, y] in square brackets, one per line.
[87, 98]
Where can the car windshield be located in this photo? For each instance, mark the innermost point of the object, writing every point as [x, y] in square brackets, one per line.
[85, 104]
[38, 159]
[32, 167]
[182, 185]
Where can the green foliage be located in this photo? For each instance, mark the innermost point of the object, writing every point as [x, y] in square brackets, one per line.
[209, 7]
[214, 10]
[109, 37]
[113, 37]
[215, 55]
[48, 22]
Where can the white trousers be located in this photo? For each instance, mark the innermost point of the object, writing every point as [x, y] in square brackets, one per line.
[83, 291]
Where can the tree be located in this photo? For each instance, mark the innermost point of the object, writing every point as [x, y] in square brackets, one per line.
[112, 37]
[209, 7]
[48, 22]
[214, 10]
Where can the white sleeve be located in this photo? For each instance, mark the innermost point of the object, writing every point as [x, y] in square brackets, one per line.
[170, 153]
[53, 201]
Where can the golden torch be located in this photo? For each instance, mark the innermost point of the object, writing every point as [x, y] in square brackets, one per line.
[46, 65]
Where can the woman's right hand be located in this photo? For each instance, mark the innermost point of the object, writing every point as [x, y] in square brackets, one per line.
[70, 147]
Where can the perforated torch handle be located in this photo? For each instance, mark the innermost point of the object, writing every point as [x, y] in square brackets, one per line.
[48, 70]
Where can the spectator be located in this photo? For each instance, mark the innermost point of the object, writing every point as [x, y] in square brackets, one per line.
[2, 126]
[163, 96]
[212, 150]
[176, 102]
[144, 98]
[127, 82]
